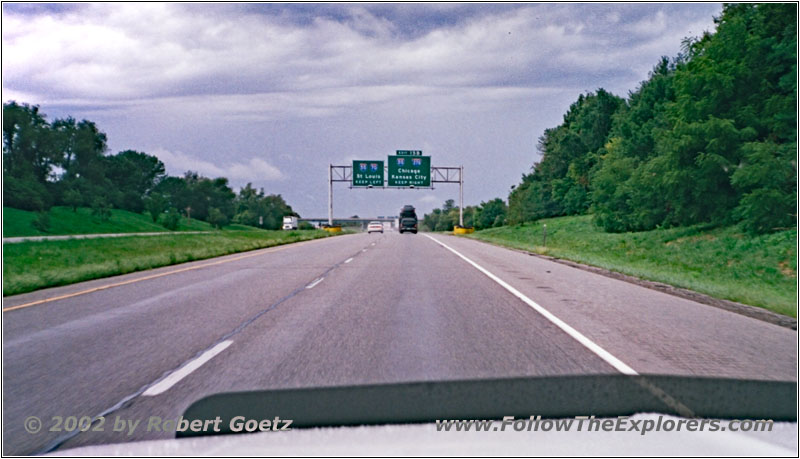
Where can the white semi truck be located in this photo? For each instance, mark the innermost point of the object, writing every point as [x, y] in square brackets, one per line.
[290, 223]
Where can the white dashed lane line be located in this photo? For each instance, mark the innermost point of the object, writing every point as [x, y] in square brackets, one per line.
[313, 284]
[176, 376]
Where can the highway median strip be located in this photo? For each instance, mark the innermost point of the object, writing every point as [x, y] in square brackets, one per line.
[148, 277]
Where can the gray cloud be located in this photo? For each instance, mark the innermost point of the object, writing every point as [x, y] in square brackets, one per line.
[141, 51]
[309, 84]
[254, 169]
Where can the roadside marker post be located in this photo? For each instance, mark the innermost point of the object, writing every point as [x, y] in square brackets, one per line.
[544, 235]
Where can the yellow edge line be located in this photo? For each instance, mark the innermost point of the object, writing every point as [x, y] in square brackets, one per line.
[154, 276]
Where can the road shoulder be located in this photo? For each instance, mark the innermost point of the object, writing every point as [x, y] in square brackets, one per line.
[744, 309]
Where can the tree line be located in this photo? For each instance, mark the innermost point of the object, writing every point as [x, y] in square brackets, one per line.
[709, 137]
[65, 163]
[489, 214]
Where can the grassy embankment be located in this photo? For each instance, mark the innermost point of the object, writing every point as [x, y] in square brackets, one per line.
[30, 266]
[64, 221]
[721, 262]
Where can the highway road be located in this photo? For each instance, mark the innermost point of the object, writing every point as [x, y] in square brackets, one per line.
[352, 309]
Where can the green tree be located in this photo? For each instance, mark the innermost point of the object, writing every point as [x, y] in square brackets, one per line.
[156, 204]
[431, 220]
[29, 155]
[73, 198]
[82, 159]
[217, 218]
[133, 175]
[254, 208]
[488, 214]
[101, 208]
[623, 195]
[710, 137]
[175, 191]
[559, 184]
[205, 193]
[448, 205]
[171, 219]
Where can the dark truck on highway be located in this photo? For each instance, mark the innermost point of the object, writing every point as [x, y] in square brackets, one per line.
[408, 219]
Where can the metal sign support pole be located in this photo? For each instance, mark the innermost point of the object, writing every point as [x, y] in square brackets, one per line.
[461, 197]
[330, 194]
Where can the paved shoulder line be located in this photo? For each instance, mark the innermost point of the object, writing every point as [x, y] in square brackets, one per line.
[575, 334]
[753, 312]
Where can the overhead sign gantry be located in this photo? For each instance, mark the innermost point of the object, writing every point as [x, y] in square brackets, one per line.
[405, 169]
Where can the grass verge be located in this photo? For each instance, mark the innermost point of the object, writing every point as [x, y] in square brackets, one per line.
[64, 221]
[721, 262]
[29, 266]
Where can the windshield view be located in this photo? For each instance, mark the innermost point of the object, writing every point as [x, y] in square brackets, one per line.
[418, 229]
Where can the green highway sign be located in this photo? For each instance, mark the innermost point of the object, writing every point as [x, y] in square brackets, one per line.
[408, 170]
[367, 173]
[409, 152]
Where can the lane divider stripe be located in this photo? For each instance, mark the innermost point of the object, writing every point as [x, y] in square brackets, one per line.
[55, 444]
[575, 334]
[313, 284]
[176, 376]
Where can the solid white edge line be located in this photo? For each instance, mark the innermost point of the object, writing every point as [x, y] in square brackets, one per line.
[175, 377]
[314, 284]
[575, 334]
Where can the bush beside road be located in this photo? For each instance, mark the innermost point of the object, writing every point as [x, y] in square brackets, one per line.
[722, 262]
[29, 266]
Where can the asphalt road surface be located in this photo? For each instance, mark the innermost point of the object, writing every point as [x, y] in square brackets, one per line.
[347, 310]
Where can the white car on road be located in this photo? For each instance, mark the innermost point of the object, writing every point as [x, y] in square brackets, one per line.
[375, 227]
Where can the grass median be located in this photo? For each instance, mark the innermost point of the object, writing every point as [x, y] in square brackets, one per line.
[29, 266]
[721, 262]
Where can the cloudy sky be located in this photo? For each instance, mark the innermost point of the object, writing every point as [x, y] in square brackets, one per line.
[272, 94]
